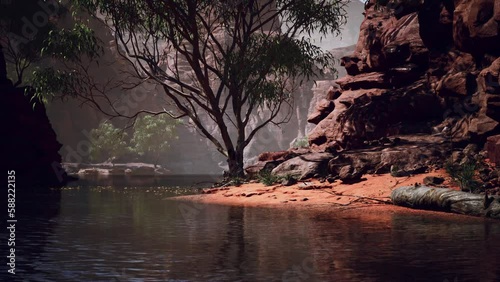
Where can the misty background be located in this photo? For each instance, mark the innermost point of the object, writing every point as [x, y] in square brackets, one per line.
[191, 153]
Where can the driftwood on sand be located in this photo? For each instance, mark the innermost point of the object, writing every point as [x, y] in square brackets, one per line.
[444, 199]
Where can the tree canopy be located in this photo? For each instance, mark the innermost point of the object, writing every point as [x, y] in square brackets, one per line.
[38, 37]
[218, 63]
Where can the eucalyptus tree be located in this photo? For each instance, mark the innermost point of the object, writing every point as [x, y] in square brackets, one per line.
[23, 24]
[34, 34]
[218, 62]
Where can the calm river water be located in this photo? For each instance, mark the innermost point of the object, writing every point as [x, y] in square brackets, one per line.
[125, 231]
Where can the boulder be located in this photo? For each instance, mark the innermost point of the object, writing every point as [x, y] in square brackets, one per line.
[470, 150]
[333, 93]
[476, 26]
[457, 157]
[352, 64]
[363, 81]
[433, 180]
[348, 174]
[483, 125]
[289, 181]
[493, 148]
[118, 169]
[92, 172]
[361, 115]
[304, 166]
[276, 156]
[329, 130]
[453, 85]
[142, 170]
[489, 78]
[259, 166]
[323, 109]
[412, 154]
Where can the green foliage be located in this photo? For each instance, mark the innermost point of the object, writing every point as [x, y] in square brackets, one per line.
[257, 63]
[267, 178]
[47, 82]
[280, 58]
[152, 136]
[72, 44]
[69, 47]
[107, 142]
[257, 51]
[301, 143]
[463, 175]
[42, 43]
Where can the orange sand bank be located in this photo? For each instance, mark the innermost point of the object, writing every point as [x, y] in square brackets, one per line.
[368, 197]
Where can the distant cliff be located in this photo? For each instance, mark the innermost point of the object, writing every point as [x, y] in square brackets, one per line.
[418, 67]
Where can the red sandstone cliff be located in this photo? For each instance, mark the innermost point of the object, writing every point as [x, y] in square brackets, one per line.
[418, 67]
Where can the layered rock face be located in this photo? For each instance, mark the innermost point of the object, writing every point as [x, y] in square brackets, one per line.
[418, 66]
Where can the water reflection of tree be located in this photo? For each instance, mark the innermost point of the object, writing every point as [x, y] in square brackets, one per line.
[231, 252]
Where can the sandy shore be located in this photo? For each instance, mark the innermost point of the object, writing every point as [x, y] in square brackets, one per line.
[368, 197]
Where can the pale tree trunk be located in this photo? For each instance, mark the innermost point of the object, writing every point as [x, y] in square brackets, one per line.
[448, 200]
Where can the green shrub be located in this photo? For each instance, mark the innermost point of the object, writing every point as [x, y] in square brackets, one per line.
[108, 143]
[463, 175]
[267, 178]
[152, 136]
[301, 143]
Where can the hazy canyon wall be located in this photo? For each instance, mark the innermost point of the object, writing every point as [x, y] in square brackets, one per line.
[191, 152]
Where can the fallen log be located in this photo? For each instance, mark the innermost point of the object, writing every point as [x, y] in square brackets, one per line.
[448, 200]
